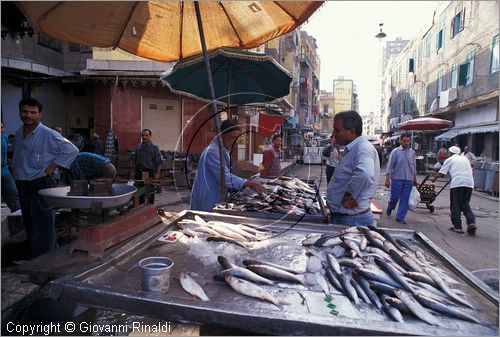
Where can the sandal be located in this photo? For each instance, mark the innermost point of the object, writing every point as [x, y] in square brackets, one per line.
[453, 229]
[471, 229]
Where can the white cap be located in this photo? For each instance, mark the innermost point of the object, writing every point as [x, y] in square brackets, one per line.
[455, 150]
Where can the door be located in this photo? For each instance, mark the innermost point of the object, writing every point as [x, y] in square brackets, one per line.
[163, 118]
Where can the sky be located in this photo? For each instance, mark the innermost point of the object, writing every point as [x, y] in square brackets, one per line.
[345, 34]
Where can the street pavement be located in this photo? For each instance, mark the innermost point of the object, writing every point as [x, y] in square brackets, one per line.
[473, 253]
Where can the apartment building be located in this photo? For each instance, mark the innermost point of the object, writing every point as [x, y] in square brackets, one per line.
[450, 71]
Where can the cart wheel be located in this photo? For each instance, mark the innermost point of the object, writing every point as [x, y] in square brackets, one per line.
[431, 208]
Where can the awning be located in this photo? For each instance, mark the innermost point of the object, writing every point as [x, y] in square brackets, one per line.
[305, 128]
[452, 133]
[268, 125]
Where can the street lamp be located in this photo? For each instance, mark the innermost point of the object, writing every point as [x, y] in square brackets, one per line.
[380, 34]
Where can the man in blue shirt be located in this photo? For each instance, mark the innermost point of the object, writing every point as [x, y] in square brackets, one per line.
[38, 151]
[400, 177]
[356, 176]
[206, 190]
[9, 190]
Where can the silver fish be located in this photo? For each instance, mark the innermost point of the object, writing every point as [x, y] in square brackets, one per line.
[348, 288]
[391, 270]
[290, 270]
[192, 287]
[243, 273]
[350, 263]
[393, 312]
[445, 309]
[377, 275]
[366, 287]
[276, 273]
[332, 261]
[361, 293]
[397, 303]
[444, 287]
[416, 308]
[420, 277]
[363, 243]
[352, 245]
[323, 283]
[225, 263]
[249, 289]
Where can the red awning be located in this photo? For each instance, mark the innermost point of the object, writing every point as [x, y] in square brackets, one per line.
[269, 125]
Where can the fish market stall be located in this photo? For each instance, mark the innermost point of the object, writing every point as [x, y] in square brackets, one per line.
[289, 199]
[274, 283]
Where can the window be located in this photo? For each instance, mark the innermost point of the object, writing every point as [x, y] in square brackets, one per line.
[428, 47]
[494, 56]
[466, 74]
[454, 75]
[411, 65]
[439, 85]
[457, 24]
[440, 36]
[325, 108]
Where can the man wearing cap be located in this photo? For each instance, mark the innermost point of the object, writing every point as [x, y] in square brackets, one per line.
[461, 187]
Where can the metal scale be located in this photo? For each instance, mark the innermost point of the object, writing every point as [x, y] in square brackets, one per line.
[107, 215]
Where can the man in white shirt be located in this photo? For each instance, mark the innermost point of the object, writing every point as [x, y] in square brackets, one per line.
[469, 155]
[461, 187]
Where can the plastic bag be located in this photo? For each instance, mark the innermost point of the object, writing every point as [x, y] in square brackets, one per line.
[414, 198]
[438, 166]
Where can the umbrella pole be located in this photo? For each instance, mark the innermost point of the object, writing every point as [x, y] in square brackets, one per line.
[213, 105]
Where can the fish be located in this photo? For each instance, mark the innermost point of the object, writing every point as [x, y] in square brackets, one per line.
[226, 239]
[252, 290]
[404, 244]
[311, 239]
[222, 231]
[192, 287]
[379, 252]
[412, 262]
[353, 246]
[233, 228]
[387, 236]
[391, 271]
[445, 309]
[363, 243]
[323, 283]
[368, 291]
[371, 239]
[224, 262]
[276, 273]
[382, 288]
[444, 287]
[290, 270]
[332, 262]
[391, 311]
[330, 275]
[398, 258]
[350, 263]
[397, 303]
[361, 293]
[243, 273]
[329, 242]
[415, 307]
[377, 275]
[347, 287]
[420, 277]
[199, 219]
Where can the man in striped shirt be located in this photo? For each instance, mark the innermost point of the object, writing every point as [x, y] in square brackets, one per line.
[400, 177]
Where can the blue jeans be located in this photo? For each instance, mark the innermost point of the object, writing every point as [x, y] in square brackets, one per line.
[353, 220]
[9, 193]
[38, 220]
[400, 191]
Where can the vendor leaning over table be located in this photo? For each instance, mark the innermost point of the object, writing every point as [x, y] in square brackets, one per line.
[89, 166]
[356, 176]
[38, 151]
[206, 187]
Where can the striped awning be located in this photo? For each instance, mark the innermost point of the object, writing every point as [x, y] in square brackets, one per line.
[452, 133]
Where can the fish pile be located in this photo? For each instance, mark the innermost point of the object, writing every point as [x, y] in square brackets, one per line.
[371, 266]
[284, 195]
[242, 235]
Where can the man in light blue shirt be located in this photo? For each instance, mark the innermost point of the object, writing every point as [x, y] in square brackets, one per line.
[206, 187]
[38, 151]
[400, 177]
[356, 176]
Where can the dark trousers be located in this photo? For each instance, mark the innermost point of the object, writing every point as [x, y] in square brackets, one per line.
[38, 220]
[9, 193]
[329, 173]
[459, 203]
[138, 176]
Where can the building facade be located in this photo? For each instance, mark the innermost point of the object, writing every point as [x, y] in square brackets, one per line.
[450, 71]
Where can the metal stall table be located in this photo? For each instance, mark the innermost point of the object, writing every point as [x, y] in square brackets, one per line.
[303, 312]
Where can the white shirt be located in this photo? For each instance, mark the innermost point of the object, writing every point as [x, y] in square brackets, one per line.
[460, 171]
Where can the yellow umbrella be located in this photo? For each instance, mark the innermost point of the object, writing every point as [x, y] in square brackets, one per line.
[170, 30]
[167, 30]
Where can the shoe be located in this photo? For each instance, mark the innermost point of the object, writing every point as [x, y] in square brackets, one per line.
[401, 222]
[456, 230]
[471, 229]
[388, 211]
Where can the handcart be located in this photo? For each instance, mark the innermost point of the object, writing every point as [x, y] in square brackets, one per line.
[428, 193]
